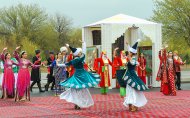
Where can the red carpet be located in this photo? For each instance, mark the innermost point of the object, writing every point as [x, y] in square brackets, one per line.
[106, 106]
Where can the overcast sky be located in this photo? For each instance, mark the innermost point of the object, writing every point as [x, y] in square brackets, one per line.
[83, 12]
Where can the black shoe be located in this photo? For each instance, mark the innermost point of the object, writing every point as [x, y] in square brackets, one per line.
[75, 106]
[31, 89]
[78, 108]
[46, 88]
[52, 89]
[41, 91]
[179, 89]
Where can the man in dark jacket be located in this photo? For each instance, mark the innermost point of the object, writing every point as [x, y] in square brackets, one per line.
[50, 75]
[35, 73]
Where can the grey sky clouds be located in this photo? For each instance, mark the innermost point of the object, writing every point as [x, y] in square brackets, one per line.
[84, 12]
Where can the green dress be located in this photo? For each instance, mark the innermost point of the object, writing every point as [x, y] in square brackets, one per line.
[131, 79]
[81, 78]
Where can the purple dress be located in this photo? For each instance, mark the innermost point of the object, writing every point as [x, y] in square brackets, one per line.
[8, 77]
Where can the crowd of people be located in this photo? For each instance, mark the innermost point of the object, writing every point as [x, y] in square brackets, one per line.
[69, 75]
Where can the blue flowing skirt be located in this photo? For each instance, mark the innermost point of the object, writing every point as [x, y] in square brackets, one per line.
[81, 79]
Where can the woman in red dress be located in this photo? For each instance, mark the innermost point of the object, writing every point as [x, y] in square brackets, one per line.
[103, 71]
[8, 77]
[171, 74]
[23, 81]
[162, 73]
[142, 68]
[166, 73]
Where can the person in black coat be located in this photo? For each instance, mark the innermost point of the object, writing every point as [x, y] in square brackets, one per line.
[35, 73]
[50, 75]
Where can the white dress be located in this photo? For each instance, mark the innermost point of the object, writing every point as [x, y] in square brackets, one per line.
[1, 76]
[80, 97]
[134, 97]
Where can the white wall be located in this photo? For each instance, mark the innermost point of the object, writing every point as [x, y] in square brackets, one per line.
[110, 32]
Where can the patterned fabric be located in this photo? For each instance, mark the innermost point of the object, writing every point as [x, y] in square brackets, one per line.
[131, 77]
[106, 106]
[81, 78]
[171, 77]
[60, 74]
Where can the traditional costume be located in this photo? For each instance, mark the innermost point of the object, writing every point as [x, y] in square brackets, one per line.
[170, 77]
[141, 69]
[15, 71]
[119, 64]
[162, 73]
[8, 77]
[50, 76]
[23, 81]
[166, 74]
[103, 71]
[79, 83]
[134, 85]
[60, 72]
[35, 73]
[178, 62]
[71, 69]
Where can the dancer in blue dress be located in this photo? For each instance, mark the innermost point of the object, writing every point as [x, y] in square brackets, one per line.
[79, 83]
[134, 85]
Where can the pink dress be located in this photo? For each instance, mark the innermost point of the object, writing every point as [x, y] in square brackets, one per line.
[8, 77]
[23, 81]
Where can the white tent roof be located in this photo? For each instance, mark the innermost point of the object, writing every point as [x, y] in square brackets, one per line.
[120, 19]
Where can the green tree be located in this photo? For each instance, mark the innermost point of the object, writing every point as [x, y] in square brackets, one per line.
[22, 21]
[75, 37]
[32, 28]
[174, 15]
[62, 27]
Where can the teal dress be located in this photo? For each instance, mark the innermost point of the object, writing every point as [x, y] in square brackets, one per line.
[131, 79]
[81, 78]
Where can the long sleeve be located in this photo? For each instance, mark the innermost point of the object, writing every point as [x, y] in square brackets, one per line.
[2, 66]
[110, 62]
[95, 66]
[36, 61]
[178, 62]
[160, 55]
[84, 47]
[2, 57]
[16, 55]
[61, 65]
[128, 47]
[76, 60]
[133, 61]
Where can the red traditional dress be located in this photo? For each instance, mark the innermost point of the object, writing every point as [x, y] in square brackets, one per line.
[23, 81]
[8, 77]
[162, 72]
[141, 70]
[171, 76]
[103, 71]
